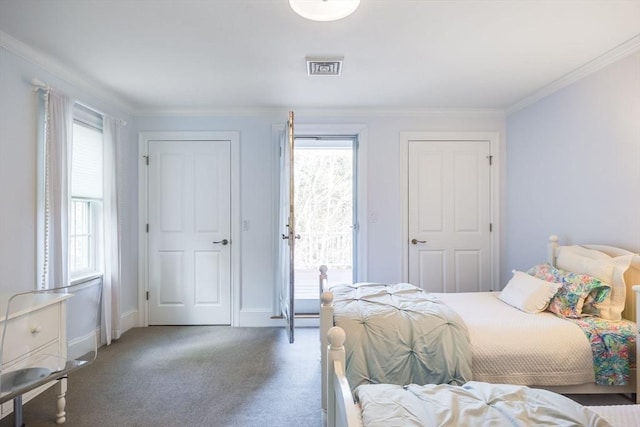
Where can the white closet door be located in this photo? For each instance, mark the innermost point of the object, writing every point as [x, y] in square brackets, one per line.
[449, 215]
[189, 187]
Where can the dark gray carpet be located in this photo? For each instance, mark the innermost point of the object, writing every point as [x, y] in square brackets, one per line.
[193, 376]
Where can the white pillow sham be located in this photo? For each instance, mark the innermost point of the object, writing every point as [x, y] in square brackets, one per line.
[609, 270]
[528, 293]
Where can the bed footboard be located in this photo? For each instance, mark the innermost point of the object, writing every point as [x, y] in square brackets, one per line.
[326, 323]
[341, 408]
[323, 278]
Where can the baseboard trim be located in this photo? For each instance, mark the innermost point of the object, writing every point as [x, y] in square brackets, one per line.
[247, 318]
[128, 321]
[259, 318]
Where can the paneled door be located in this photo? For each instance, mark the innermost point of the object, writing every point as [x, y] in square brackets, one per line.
[189, 232]
[449, 206]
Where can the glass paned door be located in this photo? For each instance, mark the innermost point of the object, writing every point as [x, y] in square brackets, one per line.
[287, 224]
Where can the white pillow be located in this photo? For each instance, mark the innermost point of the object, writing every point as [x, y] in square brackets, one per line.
[528, 293]
[585, 261]
[609, 270]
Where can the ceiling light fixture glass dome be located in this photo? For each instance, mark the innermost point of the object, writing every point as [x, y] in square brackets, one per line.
[324, 10]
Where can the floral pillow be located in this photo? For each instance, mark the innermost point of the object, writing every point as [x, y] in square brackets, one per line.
[546, 272]
[597, 302]
[576, 288]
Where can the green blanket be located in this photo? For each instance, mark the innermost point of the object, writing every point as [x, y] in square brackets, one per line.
[399, 334]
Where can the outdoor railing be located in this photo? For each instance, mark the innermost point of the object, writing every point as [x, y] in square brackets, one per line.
[331, 249]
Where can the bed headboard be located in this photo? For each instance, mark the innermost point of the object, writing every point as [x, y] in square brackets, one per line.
[631, 276]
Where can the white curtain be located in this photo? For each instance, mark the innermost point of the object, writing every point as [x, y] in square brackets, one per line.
[58, 146]
[112, 129]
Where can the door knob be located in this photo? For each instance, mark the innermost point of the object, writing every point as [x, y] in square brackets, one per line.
[223, 241]
[416, 241]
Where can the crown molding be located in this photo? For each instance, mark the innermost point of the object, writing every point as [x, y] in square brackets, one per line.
[585, 70]
[326, 112]
[61, 71]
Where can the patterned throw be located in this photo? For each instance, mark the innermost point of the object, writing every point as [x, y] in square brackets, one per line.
[613, 344]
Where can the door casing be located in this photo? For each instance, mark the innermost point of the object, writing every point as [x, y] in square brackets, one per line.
[143, 260]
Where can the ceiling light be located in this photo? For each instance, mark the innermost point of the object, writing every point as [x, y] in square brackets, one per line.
[324, 10]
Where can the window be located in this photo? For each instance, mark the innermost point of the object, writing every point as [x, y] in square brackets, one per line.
[86, 193]
[70, 164]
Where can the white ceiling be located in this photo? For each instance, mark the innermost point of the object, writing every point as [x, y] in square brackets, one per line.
[207, 55]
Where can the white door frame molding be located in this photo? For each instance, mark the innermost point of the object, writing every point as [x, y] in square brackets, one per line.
[143, 260]
[494, 141]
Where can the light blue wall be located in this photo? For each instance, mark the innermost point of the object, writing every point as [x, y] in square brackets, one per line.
[18, 153]
[573, 167]
[258, 176]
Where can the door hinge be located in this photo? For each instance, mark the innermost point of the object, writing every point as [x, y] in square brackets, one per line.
[490, 160]
[490, 227]
[147, 228]
[147, 295]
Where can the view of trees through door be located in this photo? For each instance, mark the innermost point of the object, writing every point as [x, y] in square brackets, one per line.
[324, 183]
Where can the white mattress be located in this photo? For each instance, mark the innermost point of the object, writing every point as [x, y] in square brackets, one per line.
[619, 415]
[514, 347]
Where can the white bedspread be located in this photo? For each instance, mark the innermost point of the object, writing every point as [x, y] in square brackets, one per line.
[510, 346]
[473, 404]
[619, 415]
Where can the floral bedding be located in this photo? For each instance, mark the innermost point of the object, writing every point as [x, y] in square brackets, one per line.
[613, 344]
[576, 291]
[579, 300]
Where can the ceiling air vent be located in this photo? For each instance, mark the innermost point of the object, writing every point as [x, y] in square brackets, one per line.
[324, 66]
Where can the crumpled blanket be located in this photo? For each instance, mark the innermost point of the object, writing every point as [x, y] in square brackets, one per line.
[474, 404]
[399, 334]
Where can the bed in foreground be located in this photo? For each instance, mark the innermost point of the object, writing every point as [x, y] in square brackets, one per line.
[474, 403]
[580, 304]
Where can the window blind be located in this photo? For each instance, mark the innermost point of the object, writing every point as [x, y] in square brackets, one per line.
[86, 164]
